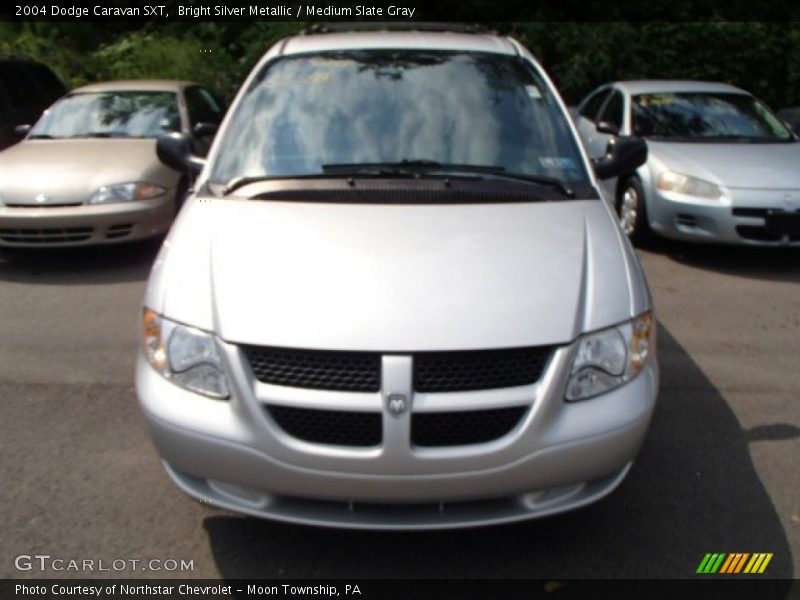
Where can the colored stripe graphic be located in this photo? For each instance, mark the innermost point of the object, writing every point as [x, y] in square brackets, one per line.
[758, 563]
[711, 563]
[734, 562]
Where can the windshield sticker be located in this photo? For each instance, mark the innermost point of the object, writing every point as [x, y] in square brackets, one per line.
[655, 100]
[533, 92]
[556, 162]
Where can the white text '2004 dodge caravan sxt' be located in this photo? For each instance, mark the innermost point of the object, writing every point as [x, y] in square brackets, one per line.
[396, 298]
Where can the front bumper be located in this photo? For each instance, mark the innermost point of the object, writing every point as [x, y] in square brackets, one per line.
[85, 224]
[738, 220]
[561, 455]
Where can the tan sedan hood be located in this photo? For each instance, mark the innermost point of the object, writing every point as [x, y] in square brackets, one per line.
[69, 171]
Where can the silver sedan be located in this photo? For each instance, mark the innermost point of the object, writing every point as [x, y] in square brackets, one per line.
[721, 166]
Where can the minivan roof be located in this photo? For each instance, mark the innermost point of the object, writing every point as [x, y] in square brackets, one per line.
[401, 40]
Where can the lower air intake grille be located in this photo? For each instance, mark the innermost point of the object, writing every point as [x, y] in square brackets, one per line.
[46, 236]
[463, 428]
[333, 427]
[319, 370]
[478, 369]
[118, 231]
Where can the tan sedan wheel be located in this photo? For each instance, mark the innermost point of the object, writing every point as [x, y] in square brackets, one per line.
[632, 212]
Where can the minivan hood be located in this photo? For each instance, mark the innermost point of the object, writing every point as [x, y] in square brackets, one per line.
[67, 171]
[396, 278]
[754, 166]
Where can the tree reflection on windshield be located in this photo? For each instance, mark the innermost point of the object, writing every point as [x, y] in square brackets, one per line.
[706, 117]
[303, 112]
[111, 114]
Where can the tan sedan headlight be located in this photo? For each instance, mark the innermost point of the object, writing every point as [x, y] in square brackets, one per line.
[186, 356]
[670, 181]
[126, 192]
[608, 358]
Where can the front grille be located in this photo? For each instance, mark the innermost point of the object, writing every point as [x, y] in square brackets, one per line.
[316, 369]
[750, 212]
[46, 236]
[759, 233]
[340, 428]
[48, 205]
[465, 427]
[478, 369]
[433, 371]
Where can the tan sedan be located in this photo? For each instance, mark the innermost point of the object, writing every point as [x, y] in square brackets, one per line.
[87, 172]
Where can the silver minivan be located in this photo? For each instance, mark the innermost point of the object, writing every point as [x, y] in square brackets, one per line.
[396, 298]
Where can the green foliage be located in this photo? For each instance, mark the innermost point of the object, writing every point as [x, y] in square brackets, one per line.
[150, 55]
[762, 57]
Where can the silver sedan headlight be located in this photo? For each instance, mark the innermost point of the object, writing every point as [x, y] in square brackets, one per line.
[608, 358]
[186, 356]
[669, 181]
[126, 192]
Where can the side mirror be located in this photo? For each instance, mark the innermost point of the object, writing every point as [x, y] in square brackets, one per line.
[175, 151]
[204, 129]
[22, 130]
[606, 127]
[623, 156]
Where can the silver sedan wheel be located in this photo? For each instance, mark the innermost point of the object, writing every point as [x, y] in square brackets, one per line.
[628, 210]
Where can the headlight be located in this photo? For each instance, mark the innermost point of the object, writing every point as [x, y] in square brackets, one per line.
[606, 359]
[186, 356]
[126, 192]
[690, 186]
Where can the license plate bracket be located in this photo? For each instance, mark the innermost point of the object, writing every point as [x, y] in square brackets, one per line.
[782, 223]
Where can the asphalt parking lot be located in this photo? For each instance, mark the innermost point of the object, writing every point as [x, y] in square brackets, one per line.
[718, 472]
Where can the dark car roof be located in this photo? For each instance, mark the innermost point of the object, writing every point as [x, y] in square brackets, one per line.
[27, 88]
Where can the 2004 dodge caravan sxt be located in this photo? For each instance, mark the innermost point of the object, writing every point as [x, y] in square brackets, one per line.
[397, 298]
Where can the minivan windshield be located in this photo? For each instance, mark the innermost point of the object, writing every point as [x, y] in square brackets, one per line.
[111, 114]
[303, 114]
[706, 117]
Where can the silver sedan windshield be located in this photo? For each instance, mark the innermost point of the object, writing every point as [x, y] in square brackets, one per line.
[706, 117]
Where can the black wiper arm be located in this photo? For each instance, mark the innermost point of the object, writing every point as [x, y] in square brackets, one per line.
[402, 167]
[100, 134]
[546, 180]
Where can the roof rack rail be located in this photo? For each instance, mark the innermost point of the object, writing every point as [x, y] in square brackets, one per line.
[355, 26]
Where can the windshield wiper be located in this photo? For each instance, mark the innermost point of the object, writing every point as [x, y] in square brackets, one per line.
[417, 167]
[237, 182]
[99, 134]
[405, 168]
[40, 136]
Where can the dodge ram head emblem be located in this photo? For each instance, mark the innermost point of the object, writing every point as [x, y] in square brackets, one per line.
[397, 404]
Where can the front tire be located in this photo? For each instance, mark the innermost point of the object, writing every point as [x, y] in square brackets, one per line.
[632, 211]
